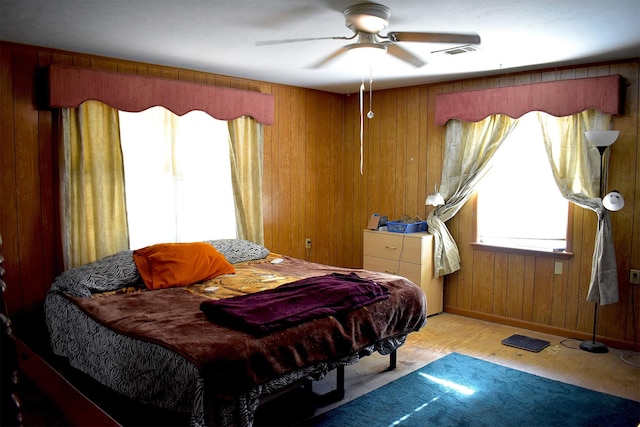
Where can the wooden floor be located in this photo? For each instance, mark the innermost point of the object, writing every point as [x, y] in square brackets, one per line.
[445, 333]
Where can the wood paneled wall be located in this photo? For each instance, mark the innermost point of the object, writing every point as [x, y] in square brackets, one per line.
[509, 287]
[313, 188]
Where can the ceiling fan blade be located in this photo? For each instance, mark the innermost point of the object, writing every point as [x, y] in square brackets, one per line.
[403, 54]
[282, 18]
[307, 39]
[408, 36]
[330, 58]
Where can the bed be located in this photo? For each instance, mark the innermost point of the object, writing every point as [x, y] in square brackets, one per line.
[165, 347]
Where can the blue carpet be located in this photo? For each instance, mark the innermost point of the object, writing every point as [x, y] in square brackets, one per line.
[458, 390]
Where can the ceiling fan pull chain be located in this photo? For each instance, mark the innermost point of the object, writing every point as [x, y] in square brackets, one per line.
[361, 123]
[370, 113]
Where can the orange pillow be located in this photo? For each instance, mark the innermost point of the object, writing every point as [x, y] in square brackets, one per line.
[167, 265]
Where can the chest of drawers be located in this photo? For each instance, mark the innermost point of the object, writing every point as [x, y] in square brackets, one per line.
[408, 255]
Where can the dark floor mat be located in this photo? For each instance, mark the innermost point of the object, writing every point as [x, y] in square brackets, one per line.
[525, 343]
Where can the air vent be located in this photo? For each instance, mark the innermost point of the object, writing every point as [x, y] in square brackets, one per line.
[457, 50]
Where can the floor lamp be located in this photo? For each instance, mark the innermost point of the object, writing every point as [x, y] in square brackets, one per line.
[613, 202]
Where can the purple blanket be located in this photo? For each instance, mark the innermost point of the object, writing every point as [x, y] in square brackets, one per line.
[293, 303]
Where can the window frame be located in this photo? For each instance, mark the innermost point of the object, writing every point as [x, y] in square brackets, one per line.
[174, 163]
[567, 253]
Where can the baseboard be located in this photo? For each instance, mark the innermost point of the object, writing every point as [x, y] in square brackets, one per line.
[553, 330]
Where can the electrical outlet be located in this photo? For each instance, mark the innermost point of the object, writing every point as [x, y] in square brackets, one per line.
[634, 277]
[557, 268]
[307, 243]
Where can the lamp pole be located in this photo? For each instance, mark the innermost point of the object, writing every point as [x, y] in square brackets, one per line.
[593, 346]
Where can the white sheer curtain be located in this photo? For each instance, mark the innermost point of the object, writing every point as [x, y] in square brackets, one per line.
[178, 177]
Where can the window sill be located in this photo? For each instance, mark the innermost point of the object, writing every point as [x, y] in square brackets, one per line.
[522, 251]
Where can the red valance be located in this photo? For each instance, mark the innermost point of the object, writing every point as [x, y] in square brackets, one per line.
[558, 98]
[70, 87]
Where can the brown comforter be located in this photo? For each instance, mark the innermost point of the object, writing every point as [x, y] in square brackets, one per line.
[232, 361]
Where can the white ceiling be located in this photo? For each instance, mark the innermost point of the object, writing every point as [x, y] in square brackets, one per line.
[219, 36]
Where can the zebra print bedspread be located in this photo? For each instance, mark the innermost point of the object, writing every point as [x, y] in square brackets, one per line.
[88, 346]
[151, 373]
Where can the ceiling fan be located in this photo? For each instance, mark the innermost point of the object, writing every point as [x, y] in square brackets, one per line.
[367, 20]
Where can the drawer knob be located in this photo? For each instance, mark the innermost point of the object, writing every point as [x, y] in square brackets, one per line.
[390, 272]
[390, 247]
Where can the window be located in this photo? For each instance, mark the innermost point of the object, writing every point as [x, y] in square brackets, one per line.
[518, 202]
[177, 177]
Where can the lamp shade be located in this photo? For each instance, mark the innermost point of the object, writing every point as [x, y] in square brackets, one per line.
[602, 138]
[613, 201]
[434, 199]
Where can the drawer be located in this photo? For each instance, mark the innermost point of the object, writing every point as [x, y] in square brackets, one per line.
[384, 265]
[382, 245]
[412, 272]
[412, 250]
[393, 246]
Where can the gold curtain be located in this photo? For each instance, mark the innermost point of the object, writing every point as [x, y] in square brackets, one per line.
[468, 156]
[94, 219]
[576, 168]
[575, 163]
[246, 141]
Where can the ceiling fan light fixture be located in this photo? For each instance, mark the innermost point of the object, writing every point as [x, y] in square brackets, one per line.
[366, 53]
